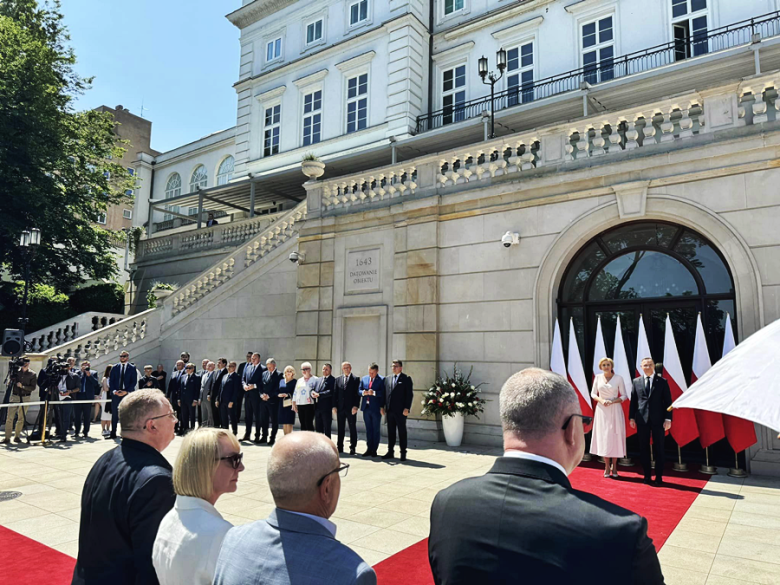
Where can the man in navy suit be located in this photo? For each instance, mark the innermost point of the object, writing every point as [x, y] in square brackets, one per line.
[399, 395]
[252, 382]
[88, 387]
[323, 417]
[372, 389]
[189, 395]
[269, 401]
[173, 392]
[228, 388]
[346, 402]
[122, 380]
[239, 400]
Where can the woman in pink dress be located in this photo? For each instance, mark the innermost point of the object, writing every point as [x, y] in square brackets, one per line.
[609, 427]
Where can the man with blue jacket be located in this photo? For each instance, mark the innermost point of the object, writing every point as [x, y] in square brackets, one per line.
[122, 380]
[372, 389]
[88, 388]
[229, 390]
[189, 394]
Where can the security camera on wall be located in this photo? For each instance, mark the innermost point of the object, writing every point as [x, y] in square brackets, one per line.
[510, 239]
[297, 257]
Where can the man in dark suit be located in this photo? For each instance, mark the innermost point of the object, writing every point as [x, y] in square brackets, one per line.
[346, 402]
[189, 385]
[522, 521]
[148, 380]
[399, 393]
[239, 400]
[228, 388]
[126, 495]
[323, 394]
[122, 380]
[252, 382]
[174, 391]
[372, 389]
[89, 386]
[222, 371]
[269, 401]
[648, 414]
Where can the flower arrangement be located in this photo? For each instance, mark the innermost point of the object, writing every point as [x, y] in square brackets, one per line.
[450, 395]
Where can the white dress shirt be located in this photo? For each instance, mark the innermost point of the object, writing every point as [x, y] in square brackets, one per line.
[330, 526]
[535, 457]
[188, 541]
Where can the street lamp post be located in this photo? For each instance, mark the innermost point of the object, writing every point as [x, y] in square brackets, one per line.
[28, 243]
[491, 80]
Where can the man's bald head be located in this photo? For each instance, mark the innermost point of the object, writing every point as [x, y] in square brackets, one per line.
[296, 464]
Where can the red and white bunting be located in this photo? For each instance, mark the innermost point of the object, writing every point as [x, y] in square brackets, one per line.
[684, 428]
[710, 423]
[577, 375]
[623, 370]
[600, 350]
[740, 433]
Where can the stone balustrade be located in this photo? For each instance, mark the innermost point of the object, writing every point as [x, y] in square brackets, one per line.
[281, 230]
[218, 236]
[396, 181]
[70, 329]
[758, 98]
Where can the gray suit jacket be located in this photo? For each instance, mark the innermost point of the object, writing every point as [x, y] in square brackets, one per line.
[288, 549]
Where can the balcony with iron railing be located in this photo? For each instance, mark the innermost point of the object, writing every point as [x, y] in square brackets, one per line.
[698, 45]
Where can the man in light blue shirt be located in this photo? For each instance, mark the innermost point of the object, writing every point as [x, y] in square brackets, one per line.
[297, 543]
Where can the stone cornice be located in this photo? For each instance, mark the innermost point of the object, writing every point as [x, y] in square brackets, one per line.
[354, 62]
[313, 78]
[518, 29]
[271, 93]
[461, 49]
[491, 19]
[257, 10]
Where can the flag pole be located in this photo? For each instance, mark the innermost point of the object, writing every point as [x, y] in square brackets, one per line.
[707, 468]
[680, 466]
[736, 471]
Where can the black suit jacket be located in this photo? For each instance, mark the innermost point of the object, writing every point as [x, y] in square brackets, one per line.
[325, 389]
[190, 390]
[215, 387]
[345, 394]
[231, 390]
[400, 398]
[126, 495]
[271, 385]
[89, 386]
[650, 409]
[523, 523]
[174, 391]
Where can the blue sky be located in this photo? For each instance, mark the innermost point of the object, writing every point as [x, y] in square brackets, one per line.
[177, 57]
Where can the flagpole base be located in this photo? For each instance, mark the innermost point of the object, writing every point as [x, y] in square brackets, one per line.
[708, 470]
[625, 462]
[736, 472]
[680, 467]
[587, 457]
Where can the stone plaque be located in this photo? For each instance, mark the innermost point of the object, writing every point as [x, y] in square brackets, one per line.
[363, 271]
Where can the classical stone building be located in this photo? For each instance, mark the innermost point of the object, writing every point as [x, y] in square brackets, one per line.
[637, 164]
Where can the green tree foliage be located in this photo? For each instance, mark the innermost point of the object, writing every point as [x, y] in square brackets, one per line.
[108, 297]
[45, 306]
[56, 165]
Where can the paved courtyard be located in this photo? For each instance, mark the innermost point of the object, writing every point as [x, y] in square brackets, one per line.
[730, 535]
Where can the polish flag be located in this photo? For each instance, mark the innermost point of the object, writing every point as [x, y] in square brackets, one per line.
[684, 429]
[642, 348]
[600, 351]
[623, 370]
[741, 433]
[710, 423]
[577, 375]
[557, 362]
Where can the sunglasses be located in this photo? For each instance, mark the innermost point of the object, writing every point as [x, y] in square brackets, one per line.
[235, 459]
[586, 420]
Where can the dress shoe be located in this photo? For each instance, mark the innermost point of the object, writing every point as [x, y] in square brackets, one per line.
[246, 438]
[256, 441]
[366, 454]
[85, 435]
[63, 440]
[648, 481]
[403, 456]
[374, 454]
[6, 441]
[341, 450]
[658, 482]
[263, 441]
[352, 452]
[112, 436]
[272, 442]
[17, 440]
[388, 455]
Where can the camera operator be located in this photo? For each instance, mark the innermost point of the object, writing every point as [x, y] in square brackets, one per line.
[23, 382]
[88, 387]
[67, 384]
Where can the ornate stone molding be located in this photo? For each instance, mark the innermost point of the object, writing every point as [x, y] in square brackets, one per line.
[362, 59]
[255, 11]
[631, 199]
[309, 79]
[518, 29]
[271, 93]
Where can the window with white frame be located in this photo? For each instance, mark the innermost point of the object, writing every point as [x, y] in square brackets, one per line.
[225, 171]
[357, 103]
[199, 178]
[273, 49]
[272, 127]
[127, 213]
[358, 12]
[520, 74]
[453, 92]
[129, 193]
[598, 50]
[689, 28]
[312, 117]
[101, 218]
[172, 189]
[452, 6]
[314, 31]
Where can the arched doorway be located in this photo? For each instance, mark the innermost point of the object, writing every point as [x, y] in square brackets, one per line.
[648, 268]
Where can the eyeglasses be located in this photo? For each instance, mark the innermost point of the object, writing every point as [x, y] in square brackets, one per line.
[172, 415]
[235, 459]
[306, 369]
[586, 420]
[342, 467]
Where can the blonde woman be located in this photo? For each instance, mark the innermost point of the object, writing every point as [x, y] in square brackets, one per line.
[609, 427]
[303, 403]
[189, 538]
[286, 392]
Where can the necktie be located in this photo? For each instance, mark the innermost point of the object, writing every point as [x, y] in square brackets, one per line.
[122, 378]
[395, 379]
[647, 385]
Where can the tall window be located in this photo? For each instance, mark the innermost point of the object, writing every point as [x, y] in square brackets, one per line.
[689, 26]
[357, 103]
[273, 49]
[358, 12]
[312, 117]
[454, 94]
[199, 178]
[172, 189]
[101, 218]
[451, 6]
[127, 213]
[314, 32]
[520, 74]
[272, 128]
[598, 50]
[225, 171]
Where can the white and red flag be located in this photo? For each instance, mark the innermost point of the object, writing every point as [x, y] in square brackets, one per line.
[741, 433]
[684, 429]
[557, 361]
[642, 348]
[577, 375]
[623, 370]
[600, 350]
[710, 423]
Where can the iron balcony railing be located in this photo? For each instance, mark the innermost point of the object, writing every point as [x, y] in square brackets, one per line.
[687, 46]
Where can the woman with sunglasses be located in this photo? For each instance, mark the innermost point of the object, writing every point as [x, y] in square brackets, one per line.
[608, 439]
[286, 393]
[302, 402]
[190, 536]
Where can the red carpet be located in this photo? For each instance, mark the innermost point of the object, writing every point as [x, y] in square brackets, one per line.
[663, 508]
[24, 560]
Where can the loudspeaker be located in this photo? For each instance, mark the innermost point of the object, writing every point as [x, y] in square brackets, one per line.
[13, 342]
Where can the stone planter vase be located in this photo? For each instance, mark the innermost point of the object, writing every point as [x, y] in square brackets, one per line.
[313, 169]
[161, 294]
[453, 429]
